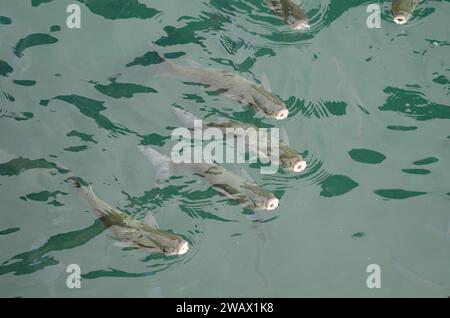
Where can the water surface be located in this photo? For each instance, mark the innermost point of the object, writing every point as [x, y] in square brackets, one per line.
[369, 109]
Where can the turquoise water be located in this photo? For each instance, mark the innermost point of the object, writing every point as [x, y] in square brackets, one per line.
[369, 110]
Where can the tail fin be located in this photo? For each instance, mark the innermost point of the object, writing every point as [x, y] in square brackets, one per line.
[162, 163]
[155, 49]
[165, 66]
[76, 182]
[185, 117]
[101, 208]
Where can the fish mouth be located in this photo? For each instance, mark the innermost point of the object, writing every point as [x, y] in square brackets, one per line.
[401, 18]
[183, 248]
[301, 25]
[272, 204]
[282, 114]
[299, 166]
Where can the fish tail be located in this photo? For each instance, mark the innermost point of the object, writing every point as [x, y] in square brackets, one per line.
[82, 188]
[76, 183]
[169, 68]
[101, 208]
[165, 67]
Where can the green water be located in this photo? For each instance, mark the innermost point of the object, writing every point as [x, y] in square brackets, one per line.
[369, 110]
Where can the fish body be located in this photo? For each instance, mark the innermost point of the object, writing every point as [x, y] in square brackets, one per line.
[132, 232]
[292, 14]
[289, 158]
[402, 10]
[235, 187]
[235, 87]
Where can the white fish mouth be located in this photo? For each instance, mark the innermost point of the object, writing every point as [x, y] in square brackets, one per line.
[401, 18]
[183, 248]
[299, 166]
[282, 114]
[272, 204]
[302, 25]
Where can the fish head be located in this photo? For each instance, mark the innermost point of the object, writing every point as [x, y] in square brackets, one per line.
[401, 17]
[162, 241]
[296, 164]
[268, 104]
[297, 24]
[402, 10]
[260, 198]
[291, 160]
[180, 248]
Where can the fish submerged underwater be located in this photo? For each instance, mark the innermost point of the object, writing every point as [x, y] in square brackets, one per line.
[234, 87]
[289, 158]
[402, 10]
[131, 232]
[292, 14]
[233, 186]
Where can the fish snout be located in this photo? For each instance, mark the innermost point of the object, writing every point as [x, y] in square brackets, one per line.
[282, 114]
[301, 25]
[401, 18]
[183, 248]
[272, 204]
[299, 166]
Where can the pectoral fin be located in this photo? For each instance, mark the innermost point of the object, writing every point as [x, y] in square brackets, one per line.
[152, 250]
[162, 163]
[151, 221]
[226, 190]
[124, 245]
[284, 136]
[265, 82]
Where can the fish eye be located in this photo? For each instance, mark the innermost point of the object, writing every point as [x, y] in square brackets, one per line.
[167, 250]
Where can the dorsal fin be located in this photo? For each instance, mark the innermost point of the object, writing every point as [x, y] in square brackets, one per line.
[284, 136]
[265, 82]
[151, 221]
[162, 163]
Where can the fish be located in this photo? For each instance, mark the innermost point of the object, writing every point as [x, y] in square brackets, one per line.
[233, 186]
[289, 158]
[402, 10]
[292, 14]
[131, 232]
[232, 86]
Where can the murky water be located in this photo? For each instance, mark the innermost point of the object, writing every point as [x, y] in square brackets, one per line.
[369, 110]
